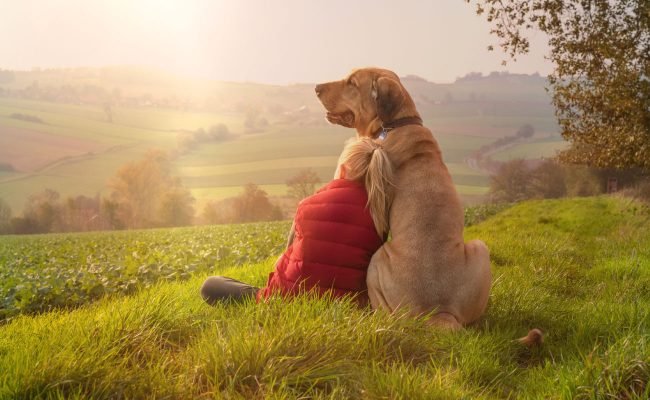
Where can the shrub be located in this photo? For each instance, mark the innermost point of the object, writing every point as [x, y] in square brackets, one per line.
[519, 179]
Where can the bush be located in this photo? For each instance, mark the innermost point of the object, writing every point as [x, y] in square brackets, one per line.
[641, 191]
[26, 117]
[582, 181]
[253, 205]
[6, 167]
[519, 180]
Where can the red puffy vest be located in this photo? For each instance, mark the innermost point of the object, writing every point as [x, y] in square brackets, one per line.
[333, 243]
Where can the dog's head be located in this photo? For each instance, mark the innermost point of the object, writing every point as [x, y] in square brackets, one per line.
[365, 100]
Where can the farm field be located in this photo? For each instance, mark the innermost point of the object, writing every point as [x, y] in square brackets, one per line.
[73, 149]
[42, 272]
[578, 269]
[86, 164]
[538, 149]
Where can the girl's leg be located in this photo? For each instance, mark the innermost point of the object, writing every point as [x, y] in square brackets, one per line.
[221, 288]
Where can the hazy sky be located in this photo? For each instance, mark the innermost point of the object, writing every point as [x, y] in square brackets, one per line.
[269, 41]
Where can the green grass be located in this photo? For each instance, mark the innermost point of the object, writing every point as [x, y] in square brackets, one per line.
[579, 269]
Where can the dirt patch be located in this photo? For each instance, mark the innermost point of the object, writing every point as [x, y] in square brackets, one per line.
[28, 150]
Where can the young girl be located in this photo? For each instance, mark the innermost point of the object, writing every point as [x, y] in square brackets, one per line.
[334, 234]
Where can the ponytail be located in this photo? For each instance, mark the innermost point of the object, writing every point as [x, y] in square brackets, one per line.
[366, 161]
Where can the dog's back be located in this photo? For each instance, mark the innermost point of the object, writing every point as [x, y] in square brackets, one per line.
[426, 221]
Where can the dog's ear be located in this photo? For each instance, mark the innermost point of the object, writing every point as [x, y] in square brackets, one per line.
[388, 96]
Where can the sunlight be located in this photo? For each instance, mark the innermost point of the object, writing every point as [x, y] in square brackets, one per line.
[173, 16]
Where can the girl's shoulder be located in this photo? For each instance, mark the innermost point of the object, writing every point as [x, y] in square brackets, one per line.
[339, 191]
[342, 184]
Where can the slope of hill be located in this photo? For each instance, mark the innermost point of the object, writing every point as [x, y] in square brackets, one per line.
[579, 269]
[70, 130]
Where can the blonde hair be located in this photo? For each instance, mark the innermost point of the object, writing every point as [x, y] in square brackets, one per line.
[366, 161]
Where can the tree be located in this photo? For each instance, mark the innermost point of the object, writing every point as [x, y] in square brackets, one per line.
[108, 110]
[525, 131]
[80, 213]
[253, 121]
[252, 205]
[303, 183]
[24, 226]
[5, 217]
[219, 132]
[109, 211]
[137, 188]
[548, 181]
[582, 181]
[42, 211]
[147, 195]
[601, 80]
[176, 207]
[511, 183]
[210, 214]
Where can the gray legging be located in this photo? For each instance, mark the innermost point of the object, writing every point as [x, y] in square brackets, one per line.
[222, 289]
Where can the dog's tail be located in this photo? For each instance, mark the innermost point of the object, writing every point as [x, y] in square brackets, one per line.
[534, 338]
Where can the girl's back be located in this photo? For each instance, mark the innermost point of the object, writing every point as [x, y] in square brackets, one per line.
[335, 237]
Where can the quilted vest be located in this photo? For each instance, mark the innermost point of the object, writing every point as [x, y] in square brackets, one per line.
[334, 240]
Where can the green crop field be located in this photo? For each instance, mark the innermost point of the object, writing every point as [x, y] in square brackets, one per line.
[578, 269]
[38, 273]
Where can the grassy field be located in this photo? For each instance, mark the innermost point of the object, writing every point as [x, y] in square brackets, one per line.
[579, 269]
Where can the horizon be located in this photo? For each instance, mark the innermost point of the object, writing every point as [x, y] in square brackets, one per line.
[176, 75]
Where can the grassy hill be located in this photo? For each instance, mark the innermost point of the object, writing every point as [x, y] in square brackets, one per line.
[55, 132]
[579, 269]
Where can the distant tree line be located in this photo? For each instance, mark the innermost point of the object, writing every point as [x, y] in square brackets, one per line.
[500, 76]
[26, 117]
[255, 205]
[251, 206]
[519, 179]
[187, 141]
[92, 94]
[143, 194]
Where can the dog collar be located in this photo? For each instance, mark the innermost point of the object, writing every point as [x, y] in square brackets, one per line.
[386, 127]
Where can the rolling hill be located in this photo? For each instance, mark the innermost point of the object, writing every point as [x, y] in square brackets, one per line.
[70, 130]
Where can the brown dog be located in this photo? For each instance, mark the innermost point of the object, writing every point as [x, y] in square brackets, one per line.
[426, 267]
